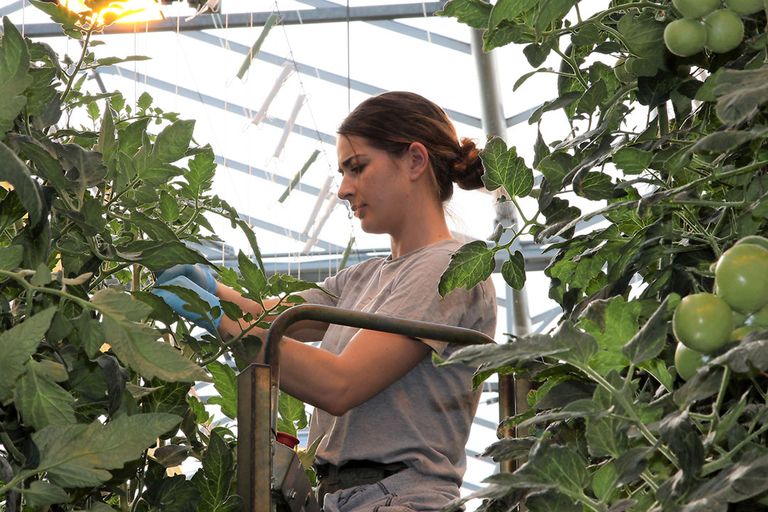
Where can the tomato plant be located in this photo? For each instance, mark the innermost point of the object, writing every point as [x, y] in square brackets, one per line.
[673, 164]
[741, 277]
[703, 322]
[97, 404]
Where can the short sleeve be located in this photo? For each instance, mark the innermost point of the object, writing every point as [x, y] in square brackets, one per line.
[414, 295]
[332, 287]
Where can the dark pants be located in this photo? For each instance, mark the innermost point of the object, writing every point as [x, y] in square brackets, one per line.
[334, 478]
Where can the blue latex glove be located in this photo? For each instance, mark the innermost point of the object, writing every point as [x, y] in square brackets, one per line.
[199, 274]
[179, 305]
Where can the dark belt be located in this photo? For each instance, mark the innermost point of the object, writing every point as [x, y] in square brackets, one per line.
[359, 466]
[352, 474]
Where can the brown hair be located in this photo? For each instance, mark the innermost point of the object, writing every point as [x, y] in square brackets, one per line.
[393, 120]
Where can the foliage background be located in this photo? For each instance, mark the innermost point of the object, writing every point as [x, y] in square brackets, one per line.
[610, 426]
[97, 402]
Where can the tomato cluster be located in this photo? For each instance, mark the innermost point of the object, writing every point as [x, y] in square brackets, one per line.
[707, 24]
[704, 323]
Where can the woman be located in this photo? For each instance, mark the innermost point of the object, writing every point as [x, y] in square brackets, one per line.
[393, 425]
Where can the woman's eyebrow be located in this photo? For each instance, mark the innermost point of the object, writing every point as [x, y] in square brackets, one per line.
[346, 163]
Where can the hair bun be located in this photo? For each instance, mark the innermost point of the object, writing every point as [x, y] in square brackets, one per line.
[468, 168]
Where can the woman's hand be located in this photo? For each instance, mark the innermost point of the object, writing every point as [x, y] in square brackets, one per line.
[172, 290]
[199, 274]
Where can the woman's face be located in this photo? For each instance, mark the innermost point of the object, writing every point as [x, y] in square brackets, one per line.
[374, 183]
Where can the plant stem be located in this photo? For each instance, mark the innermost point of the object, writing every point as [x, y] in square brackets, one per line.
[720, 463]
[630, 411]
[51, 291]
[574, 66]
[79, 64]
[11, 485]
[106, 274]
[8, 444]
[663, 116]
[719, 400]
[602, 14]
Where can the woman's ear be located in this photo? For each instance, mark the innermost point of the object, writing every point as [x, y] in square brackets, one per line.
[417, 159]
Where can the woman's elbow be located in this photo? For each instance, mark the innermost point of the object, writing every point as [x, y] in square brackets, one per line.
[339, 403]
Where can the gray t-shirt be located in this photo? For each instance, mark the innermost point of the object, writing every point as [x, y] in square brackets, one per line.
[424, 418]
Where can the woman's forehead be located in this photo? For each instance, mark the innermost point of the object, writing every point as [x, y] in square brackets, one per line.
[350, 146]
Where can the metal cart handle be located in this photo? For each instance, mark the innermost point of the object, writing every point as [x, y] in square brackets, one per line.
[257, 388]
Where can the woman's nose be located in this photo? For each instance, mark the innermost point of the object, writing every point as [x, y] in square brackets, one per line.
[345, 189]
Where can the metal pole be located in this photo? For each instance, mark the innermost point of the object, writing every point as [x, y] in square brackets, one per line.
[512, 391]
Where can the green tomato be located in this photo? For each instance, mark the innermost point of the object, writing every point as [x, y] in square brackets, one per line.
[745, 6]
[688, 361]
[759, 318]
[739, 333]
[754, 239]
[685, 37]
[739, 319]
[741, 277]
[695, 8]
[703, 322]
[725, 30]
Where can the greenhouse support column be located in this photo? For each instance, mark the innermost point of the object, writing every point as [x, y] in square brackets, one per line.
[512, 393]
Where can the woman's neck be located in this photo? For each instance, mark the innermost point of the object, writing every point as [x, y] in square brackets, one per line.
[431, 229]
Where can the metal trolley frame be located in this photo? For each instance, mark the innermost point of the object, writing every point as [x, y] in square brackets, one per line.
[268, 473]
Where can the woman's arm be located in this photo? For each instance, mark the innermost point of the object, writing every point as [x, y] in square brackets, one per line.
[336, 383]
[306, 331]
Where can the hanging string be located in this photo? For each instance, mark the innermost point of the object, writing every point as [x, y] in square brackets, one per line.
[349, 65]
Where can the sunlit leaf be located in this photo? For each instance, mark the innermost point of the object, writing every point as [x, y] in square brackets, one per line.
[214, 480]
[172, 143]
[513, 270]
[135, 343]
[475, 13]
[504, 168]
[80, 455]
[547, 11]
[472, 263]
[225, 382]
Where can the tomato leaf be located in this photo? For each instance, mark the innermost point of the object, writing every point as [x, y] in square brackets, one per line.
[472, 263]
[475, 13]
[504, 168]
[79, 455]
[225, 382]
[513, 270]
[651, 339]
[17, 345]
[135, 343]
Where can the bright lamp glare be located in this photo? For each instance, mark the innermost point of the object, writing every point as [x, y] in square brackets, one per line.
[124, 11]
